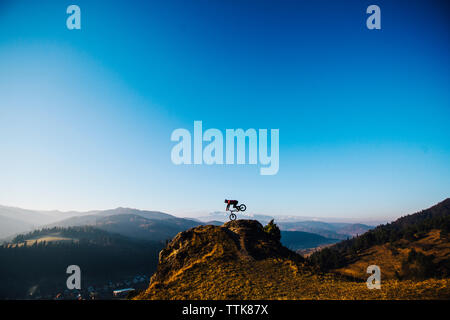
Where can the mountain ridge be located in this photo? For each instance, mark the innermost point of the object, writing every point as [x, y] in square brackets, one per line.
[161, 228]
[33, 219]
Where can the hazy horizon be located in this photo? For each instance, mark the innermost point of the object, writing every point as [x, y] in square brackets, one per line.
[375, 219]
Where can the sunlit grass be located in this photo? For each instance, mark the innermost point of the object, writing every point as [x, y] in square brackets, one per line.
[278, 279]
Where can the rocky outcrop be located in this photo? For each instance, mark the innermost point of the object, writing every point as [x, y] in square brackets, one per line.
[235, 240]
[199, 252]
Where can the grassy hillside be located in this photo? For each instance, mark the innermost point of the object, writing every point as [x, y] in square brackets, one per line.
[419, 240]
[392, 258]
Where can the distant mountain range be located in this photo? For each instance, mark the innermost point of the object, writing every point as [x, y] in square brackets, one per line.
[150, 225]
[280, 218]
[34, 217]
[17, 220]
[159, 226]
[331, 230]
[340, 231]
[146, 225]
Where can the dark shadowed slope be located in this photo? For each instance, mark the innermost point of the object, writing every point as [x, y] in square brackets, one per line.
[296, 240]
[39, 259]
[340, 231]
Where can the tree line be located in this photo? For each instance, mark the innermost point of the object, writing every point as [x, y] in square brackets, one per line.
[100, 255]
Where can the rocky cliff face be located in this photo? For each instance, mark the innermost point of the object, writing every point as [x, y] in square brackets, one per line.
[211, 254]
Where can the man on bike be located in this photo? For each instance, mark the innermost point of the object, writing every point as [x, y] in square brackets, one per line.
[231, 203]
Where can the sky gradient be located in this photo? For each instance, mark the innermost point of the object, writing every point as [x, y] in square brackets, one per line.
[86, 115]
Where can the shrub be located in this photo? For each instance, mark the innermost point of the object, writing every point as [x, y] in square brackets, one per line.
[272, 229]
[418, 266]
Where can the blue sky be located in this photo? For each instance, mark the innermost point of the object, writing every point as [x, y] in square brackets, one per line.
[86, 115]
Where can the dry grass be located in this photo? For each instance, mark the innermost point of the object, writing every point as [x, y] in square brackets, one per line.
[277, 279]
[389, 257]
[47, 239]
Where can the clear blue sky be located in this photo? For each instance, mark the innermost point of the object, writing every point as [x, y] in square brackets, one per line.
[86, 115]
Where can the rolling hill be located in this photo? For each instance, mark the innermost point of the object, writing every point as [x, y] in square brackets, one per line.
[31, 217]
[10, 226]
[414, 246]
[145, 225]
[155, 215]
[16, 220]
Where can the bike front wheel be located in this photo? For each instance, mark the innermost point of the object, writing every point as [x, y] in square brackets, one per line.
[242, 207]
[232, 217]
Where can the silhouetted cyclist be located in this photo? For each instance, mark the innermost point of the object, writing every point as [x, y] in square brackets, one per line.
[232, 203]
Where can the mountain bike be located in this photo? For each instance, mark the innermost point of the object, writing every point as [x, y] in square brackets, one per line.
[236, 208]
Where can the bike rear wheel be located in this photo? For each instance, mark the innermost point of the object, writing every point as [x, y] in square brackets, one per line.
[242, 207]
[232, 217]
